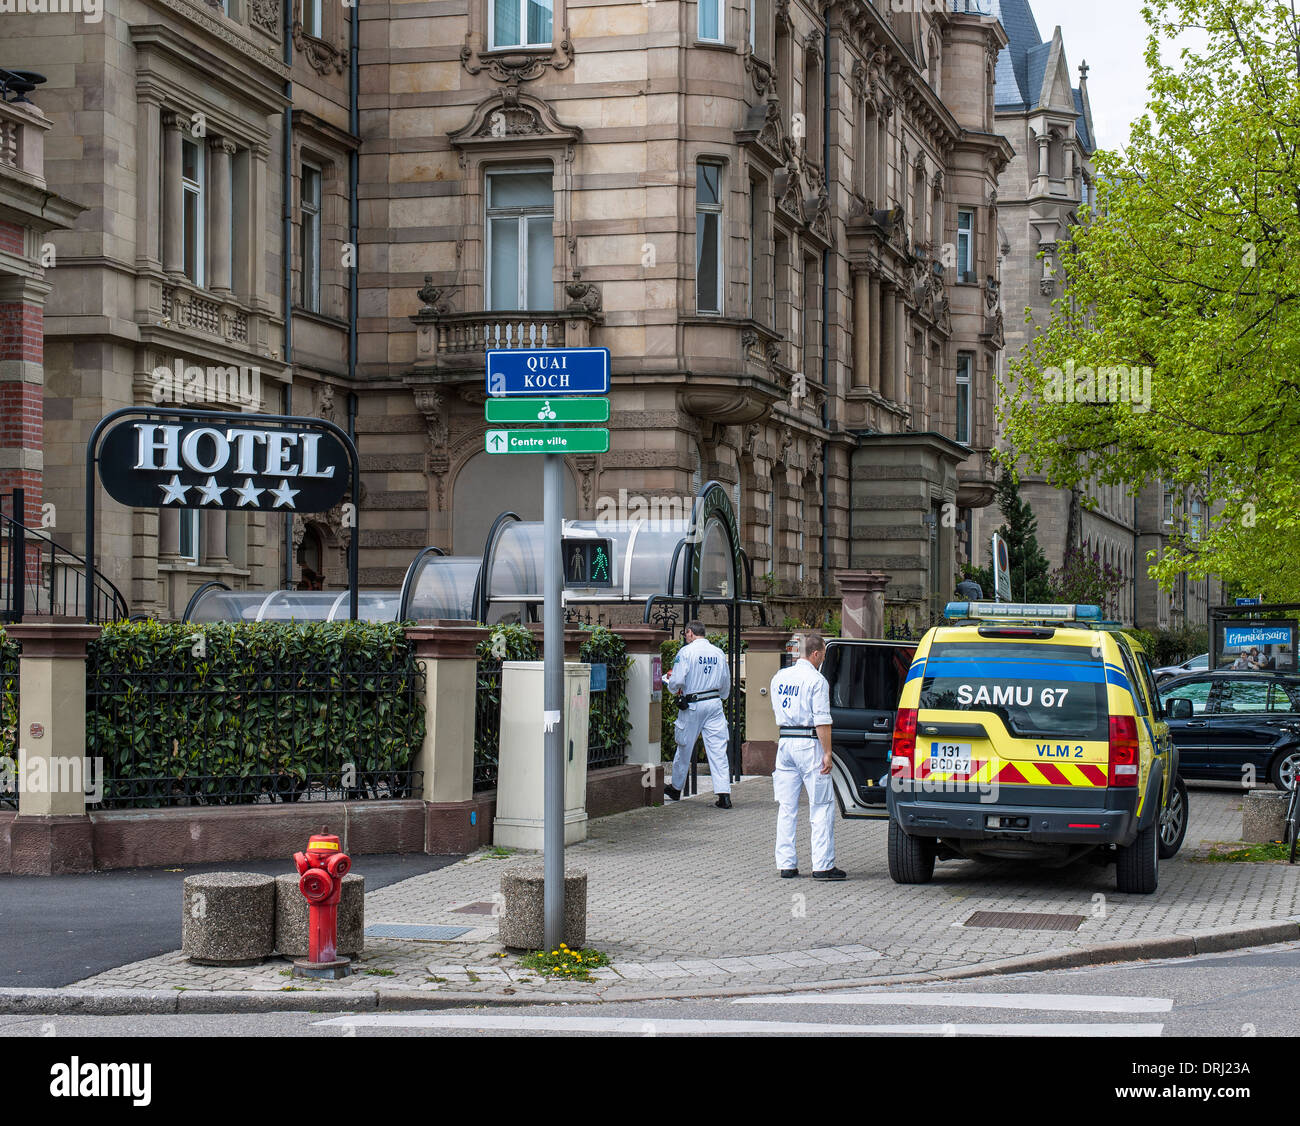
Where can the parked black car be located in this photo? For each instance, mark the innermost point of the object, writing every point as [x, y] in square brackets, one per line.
[866, 679]
[1237, 718]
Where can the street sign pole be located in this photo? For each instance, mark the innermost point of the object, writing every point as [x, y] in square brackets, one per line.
[553, 703]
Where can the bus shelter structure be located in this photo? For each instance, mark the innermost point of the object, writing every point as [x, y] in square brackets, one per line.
[669, 569]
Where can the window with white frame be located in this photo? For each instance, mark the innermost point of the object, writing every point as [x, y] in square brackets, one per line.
[1194, 520]
[521, 238]
[313, 18]
[189, 534]
[708, 237]
[965, 246]
[965, 361]
[310, 239]
[710, 20]
[519, 23]
[1169, 507]
[194, 219]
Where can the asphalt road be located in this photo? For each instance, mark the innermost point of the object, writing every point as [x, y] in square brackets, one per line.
[55, 930]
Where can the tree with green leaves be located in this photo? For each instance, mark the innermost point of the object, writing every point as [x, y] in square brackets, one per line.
[1030, 578]
[1173, 354]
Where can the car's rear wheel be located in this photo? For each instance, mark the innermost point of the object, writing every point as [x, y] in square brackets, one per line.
[1137, 868]
[1283, 769]
[1173, 821]
[911, 859]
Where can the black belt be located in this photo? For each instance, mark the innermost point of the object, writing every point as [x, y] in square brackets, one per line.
[698, 696]
[798, 733]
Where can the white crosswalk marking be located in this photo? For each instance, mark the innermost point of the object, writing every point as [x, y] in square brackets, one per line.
[637, 1026]
[1056, 1002]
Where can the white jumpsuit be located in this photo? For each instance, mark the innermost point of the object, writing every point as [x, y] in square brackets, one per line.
[801, 697]
[701, 667]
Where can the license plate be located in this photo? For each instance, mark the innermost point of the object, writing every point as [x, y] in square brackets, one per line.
[950, 758]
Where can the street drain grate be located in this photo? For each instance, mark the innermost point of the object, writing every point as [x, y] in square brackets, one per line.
[479, 908]
[415, 930]
[1024, 921]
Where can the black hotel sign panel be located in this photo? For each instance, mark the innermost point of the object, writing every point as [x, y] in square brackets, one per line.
[223, 464]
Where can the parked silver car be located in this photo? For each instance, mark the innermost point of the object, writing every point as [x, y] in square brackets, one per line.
[1192, 664]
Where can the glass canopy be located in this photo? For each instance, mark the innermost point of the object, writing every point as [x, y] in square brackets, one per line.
[681, 561]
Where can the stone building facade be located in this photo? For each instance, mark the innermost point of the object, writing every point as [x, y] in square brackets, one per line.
[29, 210]
[779, 217]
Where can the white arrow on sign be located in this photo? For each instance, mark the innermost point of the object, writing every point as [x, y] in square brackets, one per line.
[496, 439]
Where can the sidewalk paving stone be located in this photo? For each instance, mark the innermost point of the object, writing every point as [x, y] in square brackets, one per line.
[686, 897]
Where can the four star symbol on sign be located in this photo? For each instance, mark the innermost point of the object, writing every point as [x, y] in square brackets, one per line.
[284, 495]
[210, 493]
[174, 492]
[246, 493]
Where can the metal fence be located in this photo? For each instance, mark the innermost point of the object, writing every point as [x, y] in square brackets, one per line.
[8, 723]
[276, 731]
[607, 723]
[487, 723]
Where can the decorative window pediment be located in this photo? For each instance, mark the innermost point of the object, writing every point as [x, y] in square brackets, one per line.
[515, 119]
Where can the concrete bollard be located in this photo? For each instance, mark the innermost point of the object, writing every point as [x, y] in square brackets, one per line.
[522, 924]
[1262, 814]
[291, 917]
[228, 918]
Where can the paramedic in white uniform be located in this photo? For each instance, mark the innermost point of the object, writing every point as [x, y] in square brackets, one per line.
[701, 680]
[801, 699]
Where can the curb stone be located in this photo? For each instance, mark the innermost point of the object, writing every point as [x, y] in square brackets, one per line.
[120, 1002]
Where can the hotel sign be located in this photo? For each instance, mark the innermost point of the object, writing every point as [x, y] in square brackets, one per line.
[242, 462]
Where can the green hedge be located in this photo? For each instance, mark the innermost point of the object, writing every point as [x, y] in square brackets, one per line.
[667, 737]
[1173, 646]
[252, 708]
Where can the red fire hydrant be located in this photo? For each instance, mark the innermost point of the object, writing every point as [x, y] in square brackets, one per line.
[321, 870]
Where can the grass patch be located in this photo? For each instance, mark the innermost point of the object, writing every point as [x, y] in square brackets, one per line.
[565, 964]
[1270, 852]
[438, 980]
[500, 852]
[472, 975]
[382, 973]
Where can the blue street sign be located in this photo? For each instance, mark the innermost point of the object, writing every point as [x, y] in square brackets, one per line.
[548, 371]
[599, 678]
[1248, 601]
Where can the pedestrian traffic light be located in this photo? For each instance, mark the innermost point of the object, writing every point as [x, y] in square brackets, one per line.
[588, 563]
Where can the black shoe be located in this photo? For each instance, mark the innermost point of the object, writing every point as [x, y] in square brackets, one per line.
[724, 801]
[672, 792]
[789, 873]
[830, 874]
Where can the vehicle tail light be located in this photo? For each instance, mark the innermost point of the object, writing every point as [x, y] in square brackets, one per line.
[1124, 755]
[900, 763]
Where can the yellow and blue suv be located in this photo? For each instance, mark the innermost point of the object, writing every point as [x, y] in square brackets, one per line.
[1032, 732]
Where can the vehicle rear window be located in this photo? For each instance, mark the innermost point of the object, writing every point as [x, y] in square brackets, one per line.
[1036, 690]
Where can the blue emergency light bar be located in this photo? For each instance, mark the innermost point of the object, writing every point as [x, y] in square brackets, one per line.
[1022, 611]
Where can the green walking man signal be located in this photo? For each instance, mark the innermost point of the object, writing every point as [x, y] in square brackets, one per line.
[587, 563]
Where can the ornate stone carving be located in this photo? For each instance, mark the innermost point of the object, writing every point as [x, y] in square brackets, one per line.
[584, 297]
[515, 68]
[321, 56]
[1047, 286]
[515, 117]
[266, 15]
[432, 299]
[325, 402]
[586, 466]
[762, 74]
[992, 291]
